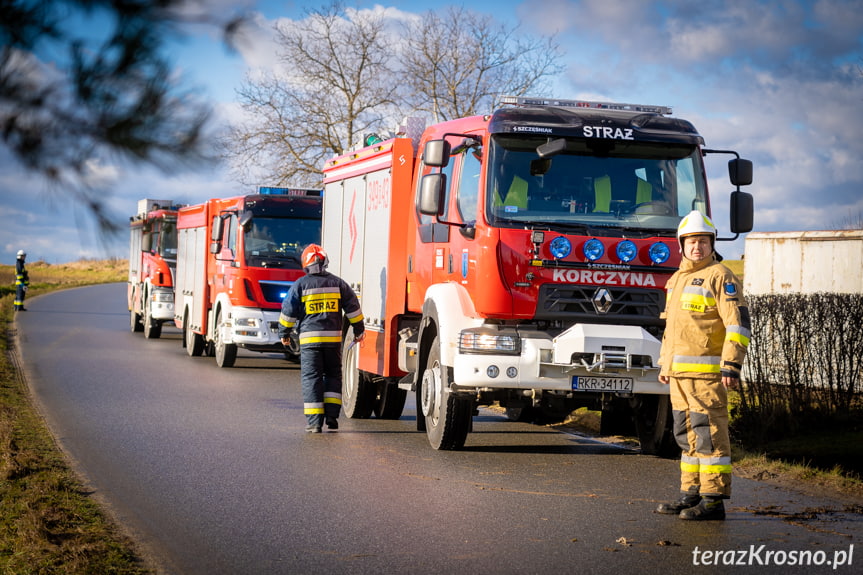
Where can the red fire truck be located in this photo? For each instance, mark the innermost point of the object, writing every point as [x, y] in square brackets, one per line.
[237, 258]
[152, 261]
[519, 258]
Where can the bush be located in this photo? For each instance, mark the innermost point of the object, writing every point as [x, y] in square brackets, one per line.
[805, 363]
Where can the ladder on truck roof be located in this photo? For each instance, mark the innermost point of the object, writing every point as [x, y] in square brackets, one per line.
[560, 103]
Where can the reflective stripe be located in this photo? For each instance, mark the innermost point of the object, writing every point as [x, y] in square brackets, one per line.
[321, 337]
[689, 464]
[715, 469]
[331, 339]
[695, 363]
[313, 408]
[354, 317]
[311, 292]
[739, 334]
[287, 321]
[689, 467]
[332, 397]
[698, 293]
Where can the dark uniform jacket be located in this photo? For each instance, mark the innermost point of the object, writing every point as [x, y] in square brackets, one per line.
[314, 307]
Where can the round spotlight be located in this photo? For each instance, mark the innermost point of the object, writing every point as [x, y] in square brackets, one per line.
[626, 251]
[511, 372]
[492, 371]
[560, 247]
[593, 249]
[659, 253]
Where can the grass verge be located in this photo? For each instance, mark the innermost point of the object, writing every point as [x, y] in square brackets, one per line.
[50, 524]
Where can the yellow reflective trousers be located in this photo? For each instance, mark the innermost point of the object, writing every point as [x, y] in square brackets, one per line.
[699, 408]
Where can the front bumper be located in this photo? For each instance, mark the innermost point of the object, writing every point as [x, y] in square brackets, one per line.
[255, 329]
[624, 359]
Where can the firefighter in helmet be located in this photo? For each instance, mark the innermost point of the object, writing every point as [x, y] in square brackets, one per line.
[314, 307]
[22, 281]
[706, 336]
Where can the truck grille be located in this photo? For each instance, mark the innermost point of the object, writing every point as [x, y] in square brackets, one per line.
[628, 305]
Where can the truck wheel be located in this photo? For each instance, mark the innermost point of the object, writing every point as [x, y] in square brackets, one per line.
[226, 353]
[448, 417]
[390, 401]
[193, 342]
[358, 393]
[152, 329]
[653, 425]
[135, 322]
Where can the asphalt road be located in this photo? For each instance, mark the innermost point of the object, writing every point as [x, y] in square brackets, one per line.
[210, 470]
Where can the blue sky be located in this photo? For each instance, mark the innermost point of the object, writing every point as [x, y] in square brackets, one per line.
[781, 82]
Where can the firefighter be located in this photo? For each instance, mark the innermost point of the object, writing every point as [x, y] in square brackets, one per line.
[314, 307]
[705, 341]
[22, 281]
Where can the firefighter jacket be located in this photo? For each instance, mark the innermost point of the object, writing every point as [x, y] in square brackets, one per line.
[22, 278]
[314, 307]
[707, 322]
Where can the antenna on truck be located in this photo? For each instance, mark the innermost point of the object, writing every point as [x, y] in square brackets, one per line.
[531, 101]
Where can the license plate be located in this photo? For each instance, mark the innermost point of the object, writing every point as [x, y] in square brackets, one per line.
[601, 383]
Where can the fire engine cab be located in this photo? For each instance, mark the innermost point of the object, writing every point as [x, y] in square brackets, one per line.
[518, 257]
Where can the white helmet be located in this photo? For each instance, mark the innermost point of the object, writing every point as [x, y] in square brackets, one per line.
[696, 224]
[21, 254]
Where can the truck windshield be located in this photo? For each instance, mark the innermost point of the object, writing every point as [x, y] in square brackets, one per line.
[279, 242]
[592, 184]
[167, 242]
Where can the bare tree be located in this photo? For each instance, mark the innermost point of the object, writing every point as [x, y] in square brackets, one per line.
[346, 73]
[460, 63]
[334, 86]
[107, 92]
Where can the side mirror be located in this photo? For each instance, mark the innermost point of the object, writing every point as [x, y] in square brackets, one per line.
[740, 172]
[430, 200]
[146, 242]
[741, 212]
[436, 153]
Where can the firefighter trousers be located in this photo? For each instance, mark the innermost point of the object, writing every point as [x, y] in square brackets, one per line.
[321, 373]
[700, 411]
[20, 292]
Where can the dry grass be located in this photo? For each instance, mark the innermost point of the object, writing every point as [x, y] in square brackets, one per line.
[49, 523]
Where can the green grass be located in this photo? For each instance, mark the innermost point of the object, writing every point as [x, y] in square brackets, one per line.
[50, 524]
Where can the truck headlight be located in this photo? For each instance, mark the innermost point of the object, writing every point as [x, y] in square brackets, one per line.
[246, 322]
[485, 340]
[163, 297]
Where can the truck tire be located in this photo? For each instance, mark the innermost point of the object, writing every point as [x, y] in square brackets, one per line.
[135, 324]
[193, 342]
[653, 425]
[390, 400]
[226, 353]
[358, 393]
[152, 329]
[448, 417]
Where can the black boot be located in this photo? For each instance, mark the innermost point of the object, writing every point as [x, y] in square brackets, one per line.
[710, 508]
[687, 499]
[332, 423]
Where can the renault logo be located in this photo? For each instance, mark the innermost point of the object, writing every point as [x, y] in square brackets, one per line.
[602, 300]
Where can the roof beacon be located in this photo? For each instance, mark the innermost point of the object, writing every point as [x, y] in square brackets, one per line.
[528, 101]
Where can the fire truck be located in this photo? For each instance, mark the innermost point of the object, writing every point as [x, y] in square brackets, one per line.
[152, 261]
[518, 258]
[237, 258]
